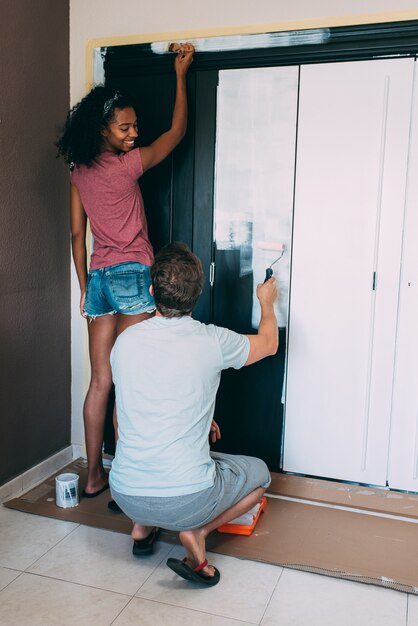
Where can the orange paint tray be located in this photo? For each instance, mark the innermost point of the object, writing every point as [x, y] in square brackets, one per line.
[245, 524]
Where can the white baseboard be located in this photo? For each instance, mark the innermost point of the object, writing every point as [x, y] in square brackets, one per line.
[79, 451]
[17, 486]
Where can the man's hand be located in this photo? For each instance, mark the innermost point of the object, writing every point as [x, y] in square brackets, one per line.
[266, 341]
[267, 292]
[215, 432]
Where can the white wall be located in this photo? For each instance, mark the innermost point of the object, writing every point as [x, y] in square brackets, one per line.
[105, 19]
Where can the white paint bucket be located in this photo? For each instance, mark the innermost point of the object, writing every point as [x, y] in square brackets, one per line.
[66, 490]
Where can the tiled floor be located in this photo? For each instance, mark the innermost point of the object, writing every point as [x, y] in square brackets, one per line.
[54, 572]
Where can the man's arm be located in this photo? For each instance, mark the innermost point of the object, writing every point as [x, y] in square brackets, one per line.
[266, 342]
[161, 147]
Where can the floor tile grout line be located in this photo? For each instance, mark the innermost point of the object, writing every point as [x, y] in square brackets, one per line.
[122, 610]
[407, 609]
[51, 548]
[272, 594]
[13, 569]
[188, 608]
[12, 581]
[153, 571]
[73, 582]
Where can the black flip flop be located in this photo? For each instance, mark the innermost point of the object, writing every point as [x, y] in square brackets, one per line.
[95, 493]
[145, 546]
[194, 575]
[114, 507]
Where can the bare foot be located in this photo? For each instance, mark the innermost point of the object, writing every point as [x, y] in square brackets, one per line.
[194, 542]
[96, 481]
[140, 532]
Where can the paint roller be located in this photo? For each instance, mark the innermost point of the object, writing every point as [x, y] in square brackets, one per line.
[269, 270]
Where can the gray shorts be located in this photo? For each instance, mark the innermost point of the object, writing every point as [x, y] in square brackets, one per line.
[235, 478]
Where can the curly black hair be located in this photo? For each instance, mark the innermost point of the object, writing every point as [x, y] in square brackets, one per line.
[81, 139]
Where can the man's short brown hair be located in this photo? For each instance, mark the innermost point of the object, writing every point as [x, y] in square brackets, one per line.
[177, 279]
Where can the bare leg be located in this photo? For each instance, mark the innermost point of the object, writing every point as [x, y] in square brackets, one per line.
[124, 321]
[115, 424]
[102, 335]
[194, 541]
[140, 532]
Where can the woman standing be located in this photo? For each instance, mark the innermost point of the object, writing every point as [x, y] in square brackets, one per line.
[99, 144]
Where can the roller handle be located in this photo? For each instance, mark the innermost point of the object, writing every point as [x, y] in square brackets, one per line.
[269, 274]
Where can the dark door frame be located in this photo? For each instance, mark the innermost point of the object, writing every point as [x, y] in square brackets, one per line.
[342, 43]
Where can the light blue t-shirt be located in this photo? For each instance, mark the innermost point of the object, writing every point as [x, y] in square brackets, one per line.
[166, 373]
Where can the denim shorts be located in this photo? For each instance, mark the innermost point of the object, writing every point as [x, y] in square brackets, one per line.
[121, 288]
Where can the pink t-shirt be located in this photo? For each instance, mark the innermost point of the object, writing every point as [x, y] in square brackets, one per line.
[113, 203]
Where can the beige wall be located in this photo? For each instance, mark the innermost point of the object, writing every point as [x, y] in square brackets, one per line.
[139, 20]
[97, 19]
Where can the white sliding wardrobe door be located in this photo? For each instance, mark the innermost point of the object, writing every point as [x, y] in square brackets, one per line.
[403, 457]
[352, 149]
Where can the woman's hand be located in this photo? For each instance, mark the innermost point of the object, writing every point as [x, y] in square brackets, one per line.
[82, 301]
[184, 57]
[161, 147]
[215, 432]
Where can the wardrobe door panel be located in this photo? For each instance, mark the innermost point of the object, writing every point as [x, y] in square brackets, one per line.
[350, 187]
[253, 206]
[403, 459]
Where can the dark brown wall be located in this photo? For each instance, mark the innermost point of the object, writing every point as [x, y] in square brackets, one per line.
[34, 235]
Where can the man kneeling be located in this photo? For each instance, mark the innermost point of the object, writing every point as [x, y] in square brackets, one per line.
[166, 372]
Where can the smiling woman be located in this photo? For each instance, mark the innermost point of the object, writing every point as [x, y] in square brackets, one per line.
[120, 134]
[98, 143]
